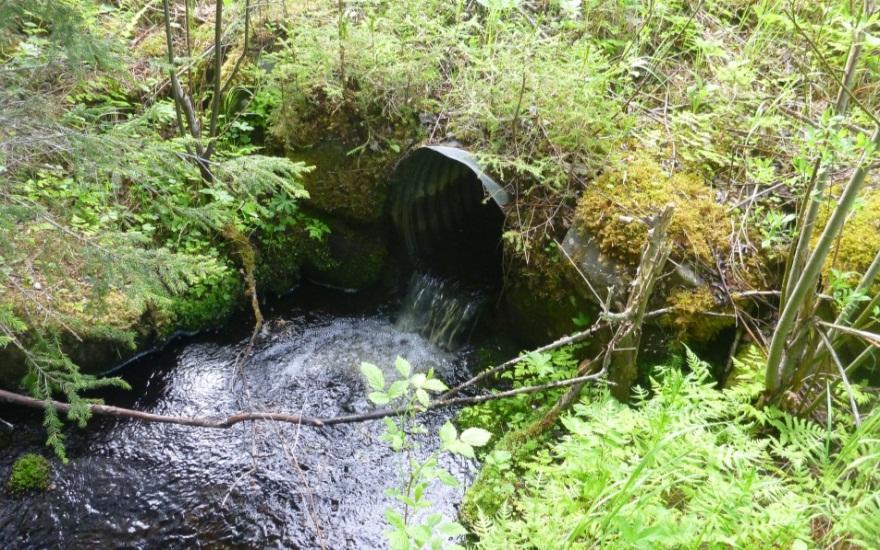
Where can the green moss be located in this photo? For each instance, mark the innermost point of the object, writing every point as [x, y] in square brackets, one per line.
[30, 472]
[353, 148]
[279, 262]
[348, 257]
[688, 318]
[860, 240]
[639, 188]
[205, 304]
[542, 295]
[353, 186]
[152, 46]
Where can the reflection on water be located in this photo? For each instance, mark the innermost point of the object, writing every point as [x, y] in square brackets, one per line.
[145, 485]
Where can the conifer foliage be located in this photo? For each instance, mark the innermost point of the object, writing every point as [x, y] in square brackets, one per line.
[105, 220]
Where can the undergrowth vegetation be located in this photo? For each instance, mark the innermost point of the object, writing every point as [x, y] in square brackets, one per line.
[686, 466]
[109, 233]
[156, 170]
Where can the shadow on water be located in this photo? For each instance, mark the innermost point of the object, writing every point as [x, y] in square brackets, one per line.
[140, 485]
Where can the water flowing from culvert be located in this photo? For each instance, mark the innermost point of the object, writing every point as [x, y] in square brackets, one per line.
[442, 310]
[145, 485]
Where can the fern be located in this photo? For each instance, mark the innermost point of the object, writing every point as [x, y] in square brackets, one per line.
[691, 467]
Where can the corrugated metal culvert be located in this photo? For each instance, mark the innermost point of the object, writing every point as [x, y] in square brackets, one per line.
[448, 212]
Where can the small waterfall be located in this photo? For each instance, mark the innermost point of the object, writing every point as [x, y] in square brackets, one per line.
[441, 310]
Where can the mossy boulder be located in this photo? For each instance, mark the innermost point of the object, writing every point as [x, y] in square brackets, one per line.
[30, 472]
[860, 240]
[353, 149]
[350, 256]
[609, 233]
[637, 189]
[352, 186]
[696, 315]
[544, 299]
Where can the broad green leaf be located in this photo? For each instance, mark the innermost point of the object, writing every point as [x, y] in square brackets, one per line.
[460, 448]
[394, 518]
[419, 491]
[397, 389]
[476, 437]
[398, 540]
[420, 533]
[418, 379]
[423, 397]
[434, 384]
[446, 478]
[403, 366]
[452, 529]
[433, 520]
[379, 397]
[448, 432]
[374, 376]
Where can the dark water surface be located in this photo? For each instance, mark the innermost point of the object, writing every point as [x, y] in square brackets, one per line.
[137, 485]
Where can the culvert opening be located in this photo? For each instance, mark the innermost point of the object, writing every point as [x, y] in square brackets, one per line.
[448, 214]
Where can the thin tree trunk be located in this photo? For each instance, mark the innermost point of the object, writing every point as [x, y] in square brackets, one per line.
[783, 368]
[778, 366]
[623, 355]
[218, 66]
[619, 360]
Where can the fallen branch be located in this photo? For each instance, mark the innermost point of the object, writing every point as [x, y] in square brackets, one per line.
[251, 416]
[564, 341]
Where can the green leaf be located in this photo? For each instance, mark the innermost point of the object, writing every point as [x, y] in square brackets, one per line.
[460, 448]
[418, 380]
[379, 397]
[397, 389]
[446, 478]
[394, 518]
[434, 384]
[398, 540]
[423, 397]
[452, 529]
[476, 437]
[374, 376]
[419, 491]
[420, 533]
[402, 366]
[448, 432]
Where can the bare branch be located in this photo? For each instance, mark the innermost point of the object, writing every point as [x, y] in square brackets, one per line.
[252, 416]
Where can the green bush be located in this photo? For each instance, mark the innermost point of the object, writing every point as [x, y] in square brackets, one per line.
[30, 472]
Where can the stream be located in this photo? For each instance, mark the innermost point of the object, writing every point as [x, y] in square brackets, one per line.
[132, 484]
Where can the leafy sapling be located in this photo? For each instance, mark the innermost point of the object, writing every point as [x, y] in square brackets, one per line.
[413, 393]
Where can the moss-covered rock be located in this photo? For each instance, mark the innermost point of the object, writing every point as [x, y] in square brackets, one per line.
[204, 305]
[544, 296]
[608, 218]
[30, 472]
[860, 240]
[640, 188]
[696, 315]
[353, 186]
[350, 256]
[353, 148]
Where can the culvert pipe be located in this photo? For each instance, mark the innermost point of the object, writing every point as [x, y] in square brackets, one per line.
[448, 212]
